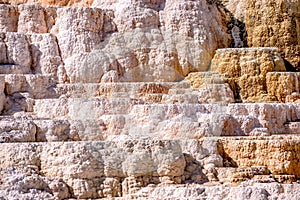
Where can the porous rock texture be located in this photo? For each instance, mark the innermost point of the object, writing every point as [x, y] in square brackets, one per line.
[149, 99]
[245, 70]
[270, 23]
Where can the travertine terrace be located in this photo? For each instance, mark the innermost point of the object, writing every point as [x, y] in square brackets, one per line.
[150, 99]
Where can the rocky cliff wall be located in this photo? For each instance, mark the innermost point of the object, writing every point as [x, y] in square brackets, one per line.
[144, 99]
[270, 24]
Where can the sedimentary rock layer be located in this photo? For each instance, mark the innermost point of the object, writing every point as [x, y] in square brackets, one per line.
[120, 168]
[144, 99]
[269, 23]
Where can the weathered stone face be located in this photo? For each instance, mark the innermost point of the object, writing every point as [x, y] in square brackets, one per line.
[9, 18]
[245, 70]
[270, 24]
[264, 18]
[145, 99]
[253, 154]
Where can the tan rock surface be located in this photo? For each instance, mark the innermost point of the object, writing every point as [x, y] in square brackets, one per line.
[78, 30]
[134, 119]
[211, 87]
[283, 85]
[9, 18]
[39, 86]
[82, 166]
[104, 99]
[17, 131]
[40, 54]
[32, 19]
[18, 50]
[270, 24]
[45, 54]
[278, 155]
[149, 56]
[275, 24]
[246, 69]
[271, 116]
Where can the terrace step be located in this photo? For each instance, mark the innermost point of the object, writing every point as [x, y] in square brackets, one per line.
[184, 98]
[39, 86]
[34, 130]
[13, 69]
[109, 89]
[166, 160]
[82, 108]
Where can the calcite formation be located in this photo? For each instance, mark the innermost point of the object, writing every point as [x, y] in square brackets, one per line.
[269, 24]
[245, 70]
[149, 99]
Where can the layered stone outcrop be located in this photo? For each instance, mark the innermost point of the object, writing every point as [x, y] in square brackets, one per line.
[253, 74]
[113, 169]
[263, 19]
[104, 32]
[97, 169]
[89, 120]
[145, 100]
[40, 54]
[270, 24]
[245, 70]
[284, 85]
[280, 158]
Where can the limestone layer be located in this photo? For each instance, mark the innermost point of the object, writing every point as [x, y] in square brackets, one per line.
[145, 99]
[268, 24]
[122, 168]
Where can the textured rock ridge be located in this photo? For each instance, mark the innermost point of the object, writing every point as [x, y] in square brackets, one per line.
[245, 70]
[149, 99]
[269, 24]
[81, 34]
